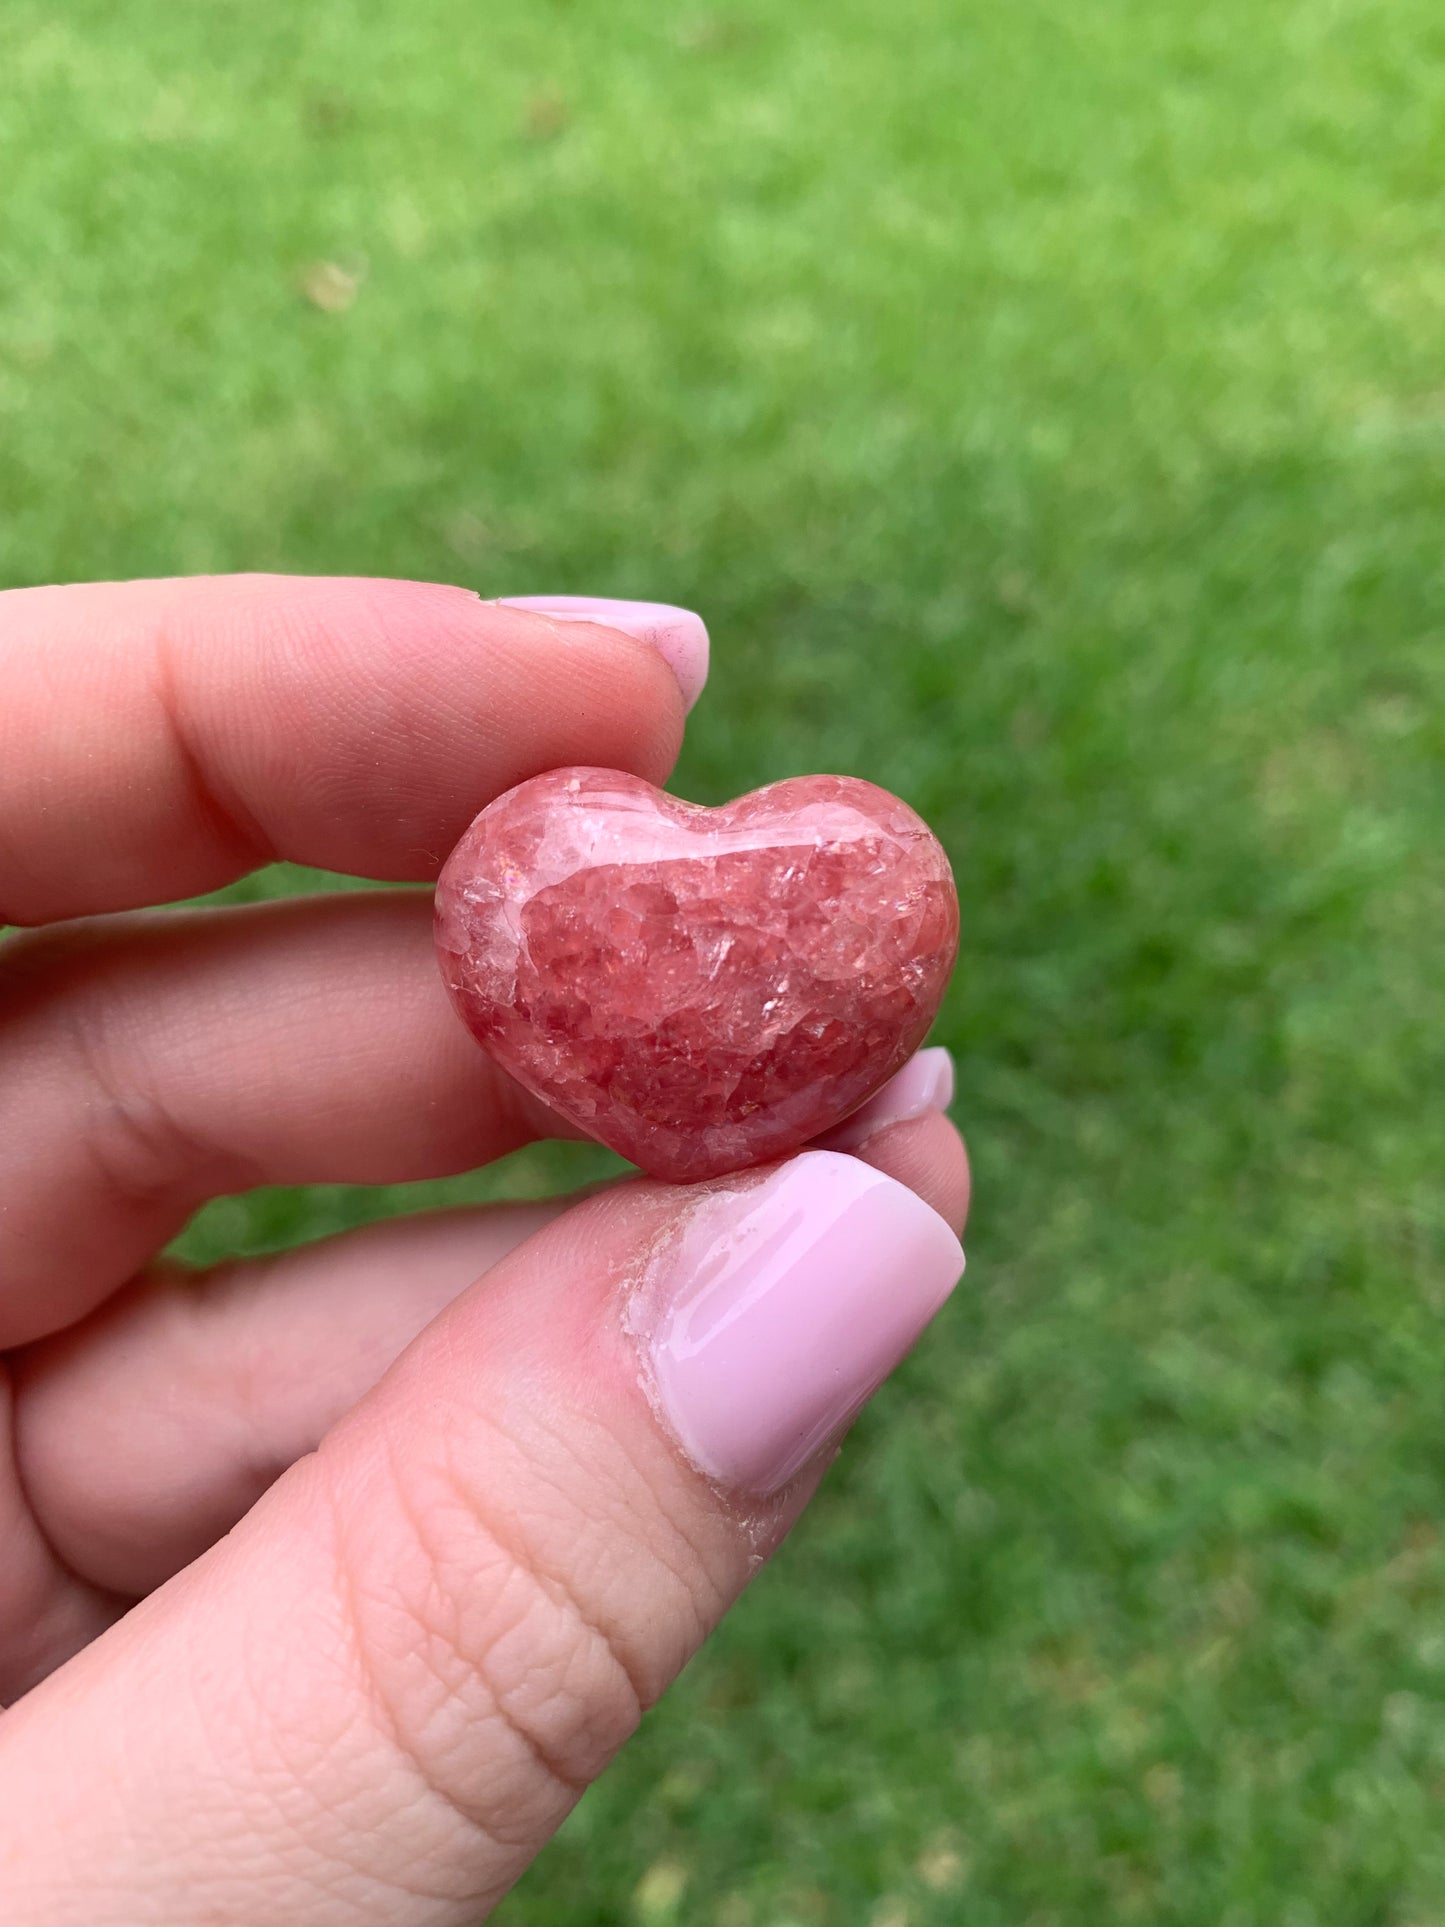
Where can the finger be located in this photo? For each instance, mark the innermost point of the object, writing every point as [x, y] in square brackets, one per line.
[160, 738]
[145, 1433]
[903, 1130]
[150, 1061]
[380, 1694]
[136, 1439]
[46, 1611]
[679, 635]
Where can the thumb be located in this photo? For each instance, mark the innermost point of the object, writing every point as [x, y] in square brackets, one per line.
[379, 1696]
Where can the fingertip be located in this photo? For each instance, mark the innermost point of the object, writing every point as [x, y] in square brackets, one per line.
[925, 1083]
[610, 688]
[679, 636]
[927, 1154]
[782, 1301]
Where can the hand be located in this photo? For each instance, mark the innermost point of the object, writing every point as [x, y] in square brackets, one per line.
[346, 1571]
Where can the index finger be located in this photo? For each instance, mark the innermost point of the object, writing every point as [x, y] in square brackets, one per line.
[158, 739]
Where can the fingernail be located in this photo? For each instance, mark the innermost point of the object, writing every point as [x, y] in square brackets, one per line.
[924, 1084]
[679, 636]
[781, 1305]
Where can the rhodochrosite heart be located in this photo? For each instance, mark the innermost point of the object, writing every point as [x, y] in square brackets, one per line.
[700, 989]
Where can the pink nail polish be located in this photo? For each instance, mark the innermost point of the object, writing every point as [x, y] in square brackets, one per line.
[679, 636]
[781, 1305]
[924, 1084]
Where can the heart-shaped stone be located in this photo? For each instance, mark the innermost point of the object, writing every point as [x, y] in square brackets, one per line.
[699, 989]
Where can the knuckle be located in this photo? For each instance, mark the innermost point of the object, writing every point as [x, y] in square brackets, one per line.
[142, 1150]
[486, 1646]
[46, 1611]
[66, 1003]
[137, 1146]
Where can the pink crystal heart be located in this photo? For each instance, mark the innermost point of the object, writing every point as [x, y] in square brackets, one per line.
[699, 989]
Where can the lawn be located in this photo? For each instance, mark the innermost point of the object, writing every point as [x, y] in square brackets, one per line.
[1044, 406]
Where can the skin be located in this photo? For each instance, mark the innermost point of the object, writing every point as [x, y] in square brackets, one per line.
[329, 1581]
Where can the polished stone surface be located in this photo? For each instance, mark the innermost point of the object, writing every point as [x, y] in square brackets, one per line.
[699, 989]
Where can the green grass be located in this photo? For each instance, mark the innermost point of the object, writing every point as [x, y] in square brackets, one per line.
[1044, 405]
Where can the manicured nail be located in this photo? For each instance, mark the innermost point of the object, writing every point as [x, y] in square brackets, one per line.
[924, 1084]
[679, 636]
[781, 1305]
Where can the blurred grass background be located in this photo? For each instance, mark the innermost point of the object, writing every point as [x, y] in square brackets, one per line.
[1045, 407]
